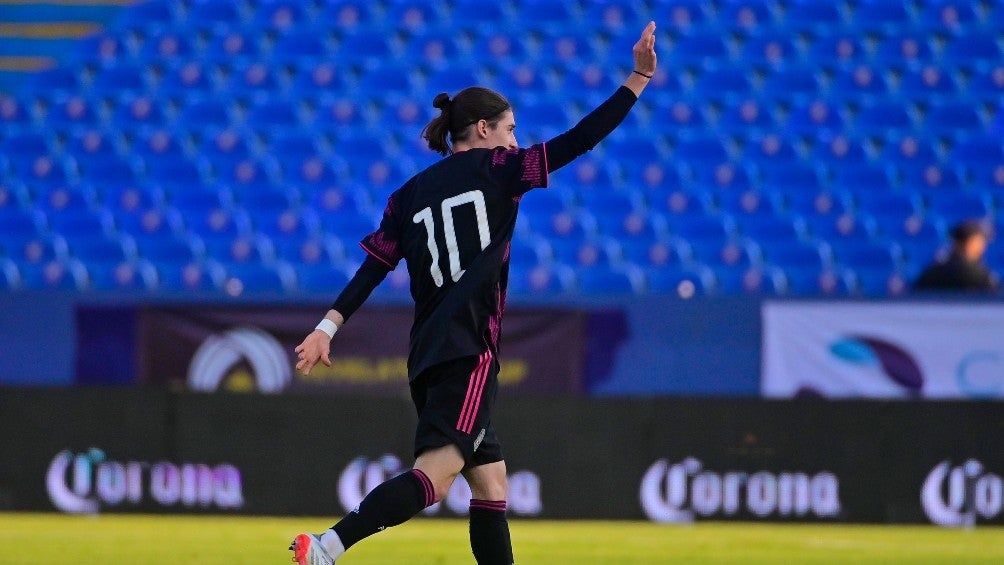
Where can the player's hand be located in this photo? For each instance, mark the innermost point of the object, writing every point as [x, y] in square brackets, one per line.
[315, 347]
[644, 51]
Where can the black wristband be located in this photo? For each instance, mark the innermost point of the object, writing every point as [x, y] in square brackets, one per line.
[642, 74]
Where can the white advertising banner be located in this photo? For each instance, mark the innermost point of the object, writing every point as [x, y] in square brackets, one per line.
[882, 350]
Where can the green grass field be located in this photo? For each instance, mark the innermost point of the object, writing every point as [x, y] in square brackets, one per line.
[39, 539]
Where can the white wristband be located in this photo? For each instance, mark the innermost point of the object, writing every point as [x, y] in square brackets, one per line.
[328, 327]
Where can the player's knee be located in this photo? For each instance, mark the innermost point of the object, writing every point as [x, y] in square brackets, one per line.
[494, 487]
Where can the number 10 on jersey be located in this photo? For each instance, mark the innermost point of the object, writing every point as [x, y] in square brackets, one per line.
[425, 216]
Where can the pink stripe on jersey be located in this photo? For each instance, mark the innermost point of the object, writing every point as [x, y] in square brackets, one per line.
[475, 387]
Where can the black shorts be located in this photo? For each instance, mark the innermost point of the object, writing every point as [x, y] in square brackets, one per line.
[454, 401]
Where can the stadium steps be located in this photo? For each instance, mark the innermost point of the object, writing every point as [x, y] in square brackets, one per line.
[33, 35]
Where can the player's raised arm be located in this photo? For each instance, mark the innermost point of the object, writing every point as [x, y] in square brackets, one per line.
[607, 116]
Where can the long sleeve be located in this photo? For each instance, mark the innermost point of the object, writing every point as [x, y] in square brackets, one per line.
[369, 275]
[590, 130]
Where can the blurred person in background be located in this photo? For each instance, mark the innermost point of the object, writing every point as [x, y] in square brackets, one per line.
[963, 268]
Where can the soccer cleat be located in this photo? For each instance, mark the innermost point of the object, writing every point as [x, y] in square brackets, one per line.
[307, 550]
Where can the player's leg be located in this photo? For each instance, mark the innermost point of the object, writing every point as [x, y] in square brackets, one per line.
[490, 539]
[440, 455]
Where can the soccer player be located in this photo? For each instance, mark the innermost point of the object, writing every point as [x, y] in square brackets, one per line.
[453, 224]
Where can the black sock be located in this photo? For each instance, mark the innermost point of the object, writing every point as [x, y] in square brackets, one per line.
[392, 503]
[490, 533]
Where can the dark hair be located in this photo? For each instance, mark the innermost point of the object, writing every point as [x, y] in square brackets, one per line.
[469, 106]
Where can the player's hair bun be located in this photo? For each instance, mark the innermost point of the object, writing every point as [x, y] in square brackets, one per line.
[441, 101]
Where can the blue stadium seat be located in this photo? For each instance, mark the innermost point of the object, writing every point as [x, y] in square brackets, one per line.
[980, 150]
[954, 206]
[815, 117]
[279, 15]
[14, 112]
[987, 85]
[527, 252]
[861, 178]
[723, 253]
[174, 172]
[62, 198]
[678, 114]
[287, 222]
[186, 80]
[951, 14]
[746, 116]
[774, 49]
[148, 220]
[550, 279]
[811, 16]
[211, 14]
[909, 151]
[699, 48]
[166, 47]
[139, 111]
[841, 153]
[232, 45]
[583, 253]
[310, 250]
[54, 275]
[63, 79]
[120, 276]
[793, 83]
[953, 118]
[207, 112]
[650, 253]
[928, 84]
[119, 79]
[317, 77]
[147, 15]
[246, 174]
[795, 253]
[770, 150]
[883, 118]
[189, 277]
[73, 223]
[724, 83]
[166, 248]
[700, 227]
[972, 49]
[931, 178]
[749, 204]
[72, 111]
[812, 282]
[322, 279]
[861, 83]
[239, 249]
[855, 254]
[881, 16]
[791, 178]
[885, 202]
[701, 149]
[844, 226]
[684, 282]
[836, 51]
[880, 281]
[90, 248]
[904, 49]
[32, 249]
[605, 280]
[768, 230]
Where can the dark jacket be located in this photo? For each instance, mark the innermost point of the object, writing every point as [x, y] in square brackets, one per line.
[956, 273]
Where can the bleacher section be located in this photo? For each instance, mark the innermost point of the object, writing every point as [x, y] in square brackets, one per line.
[788, 147]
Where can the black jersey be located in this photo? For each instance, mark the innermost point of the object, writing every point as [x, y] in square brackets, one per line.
[453, 224]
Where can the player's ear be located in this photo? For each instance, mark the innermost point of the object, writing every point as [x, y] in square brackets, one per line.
[482, 128]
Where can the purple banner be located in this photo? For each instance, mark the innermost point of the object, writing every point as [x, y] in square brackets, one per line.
[251, 349]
